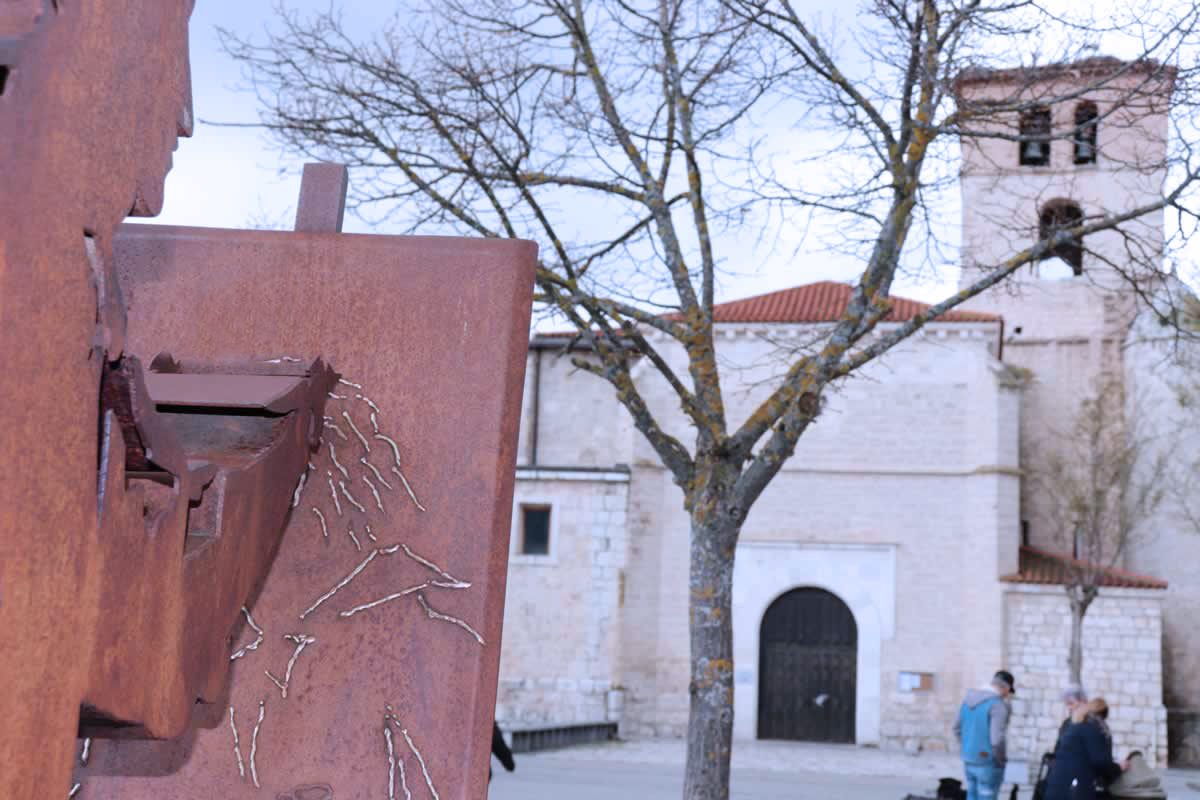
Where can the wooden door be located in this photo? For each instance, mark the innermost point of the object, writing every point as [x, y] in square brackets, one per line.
[808, 656]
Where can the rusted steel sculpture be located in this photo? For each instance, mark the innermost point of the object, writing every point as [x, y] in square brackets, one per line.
[82, 143]
[253, 539]
[196, 467]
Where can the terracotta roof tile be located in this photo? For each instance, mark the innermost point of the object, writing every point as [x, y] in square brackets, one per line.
[824, 301]
[1042, 567]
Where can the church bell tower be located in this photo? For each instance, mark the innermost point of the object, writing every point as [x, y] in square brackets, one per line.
[1053, 147]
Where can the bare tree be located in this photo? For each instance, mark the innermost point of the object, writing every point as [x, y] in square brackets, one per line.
[627, 137]
[1102, 480]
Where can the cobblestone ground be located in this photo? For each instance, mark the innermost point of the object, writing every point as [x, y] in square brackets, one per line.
[651, 769]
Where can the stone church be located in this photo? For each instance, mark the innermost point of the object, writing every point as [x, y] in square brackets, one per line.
[903, 542]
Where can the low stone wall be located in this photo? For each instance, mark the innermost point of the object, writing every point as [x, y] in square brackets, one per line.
[918, 722]
[539, 702]
[1122, 662]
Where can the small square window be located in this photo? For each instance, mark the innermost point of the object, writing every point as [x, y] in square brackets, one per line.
[535, 530]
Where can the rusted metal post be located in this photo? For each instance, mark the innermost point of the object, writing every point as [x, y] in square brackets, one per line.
[322, 203]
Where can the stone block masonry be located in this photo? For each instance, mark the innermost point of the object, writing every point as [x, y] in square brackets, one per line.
[558, 663]
[1122, 662]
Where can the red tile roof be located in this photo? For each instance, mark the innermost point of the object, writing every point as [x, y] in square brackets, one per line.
[824, 301]
[1040, 566]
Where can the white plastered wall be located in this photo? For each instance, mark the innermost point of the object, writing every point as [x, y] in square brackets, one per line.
[862, 576]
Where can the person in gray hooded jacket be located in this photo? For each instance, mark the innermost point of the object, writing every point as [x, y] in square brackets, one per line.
[981, 729]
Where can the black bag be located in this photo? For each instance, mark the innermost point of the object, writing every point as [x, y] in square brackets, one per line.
[951, 789]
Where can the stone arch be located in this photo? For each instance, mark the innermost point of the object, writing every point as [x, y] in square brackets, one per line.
[861, 576]
[1057, 215]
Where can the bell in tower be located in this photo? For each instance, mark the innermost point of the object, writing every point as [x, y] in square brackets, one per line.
[1034, 153]
[1035, 137]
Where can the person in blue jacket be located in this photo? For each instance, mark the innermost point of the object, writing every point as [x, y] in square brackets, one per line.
[981, 728]
[1084, 764]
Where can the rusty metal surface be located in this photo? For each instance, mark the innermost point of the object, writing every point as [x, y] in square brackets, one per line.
[432, 331]
[133, 527]
[322, 203]
[211, 489]
[278, 393]
[92, 96]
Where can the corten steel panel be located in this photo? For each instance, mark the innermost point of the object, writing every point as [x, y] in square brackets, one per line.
[206, 390]
[322, 202]
[93, 96]
[435, 331]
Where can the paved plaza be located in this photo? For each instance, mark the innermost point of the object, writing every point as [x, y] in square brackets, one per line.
[652, 769]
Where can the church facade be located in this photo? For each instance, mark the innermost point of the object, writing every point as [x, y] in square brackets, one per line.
[901, 556]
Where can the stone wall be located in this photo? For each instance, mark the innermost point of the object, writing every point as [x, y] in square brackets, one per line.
[1163, 372]
[1060, 375]
[559, 657]
[655, 654]
[1122, 662]
[579, 421]
[917, 456]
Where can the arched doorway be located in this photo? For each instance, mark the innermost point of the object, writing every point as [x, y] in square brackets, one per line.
[808, 657]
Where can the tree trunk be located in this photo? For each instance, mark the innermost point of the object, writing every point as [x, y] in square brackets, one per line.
[1075, 654]
[710, 626]
[1080, 598]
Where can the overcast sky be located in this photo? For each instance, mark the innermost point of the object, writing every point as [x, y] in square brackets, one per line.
[234, 177]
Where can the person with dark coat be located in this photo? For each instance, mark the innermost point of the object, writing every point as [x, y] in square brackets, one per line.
[500, 750]
[1073, 698]
[1084, 763]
